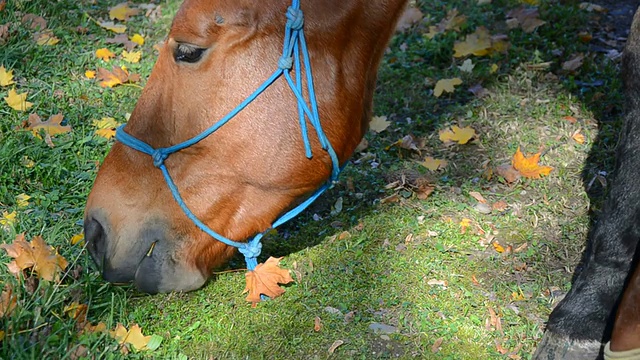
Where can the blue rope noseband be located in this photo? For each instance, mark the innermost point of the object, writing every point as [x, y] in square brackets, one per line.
[294, 47]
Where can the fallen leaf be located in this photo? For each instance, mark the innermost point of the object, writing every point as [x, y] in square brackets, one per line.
[22, 200]
[476, 195]
[457, 134]
[6, 77]
[447, 85]
[106, 127]
[379, 124]
[138, 39]
[77, 239]
[433, 164]
[34, 21]
[104, 54]
[8, 301]
[122, 39]
[436, 345]
[477, 43]
[8, 219]
[467, 66]
[44, 260]
[528, 167]
[47, 38]
[132, 57]
[109, 25]
[509, 174]
[574, 63]
[410, 16]
[478, 91]
[264, 279]
[524, 17]
[17, 101]
[570, 119]
[499, 205]
[452, 21]
[335, 345]
[592, 7]
[132, 336]
[90, 74]
[52, 126]
[578, 137]
[116, 76]
[122, 12]
[499, 248]
[435, 282]
[317, 324]
[464, 224]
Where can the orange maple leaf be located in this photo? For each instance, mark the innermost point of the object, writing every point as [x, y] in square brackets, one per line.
[264, 279]
[115, 77]
[51, 126]
[528, 166]
[44, 260]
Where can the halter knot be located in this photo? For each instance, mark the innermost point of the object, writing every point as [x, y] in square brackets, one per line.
[159, 156]
[251, 249]
[295, 19]
[285, 62]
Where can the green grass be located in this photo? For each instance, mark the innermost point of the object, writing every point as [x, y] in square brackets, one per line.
[381, 269]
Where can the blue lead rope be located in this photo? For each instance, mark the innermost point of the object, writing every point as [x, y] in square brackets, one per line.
[294, 45]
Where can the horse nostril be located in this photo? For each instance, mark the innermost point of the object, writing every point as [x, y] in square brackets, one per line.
[95, 237]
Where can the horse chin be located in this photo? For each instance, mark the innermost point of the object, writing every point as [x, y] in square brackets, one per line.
[160, 272]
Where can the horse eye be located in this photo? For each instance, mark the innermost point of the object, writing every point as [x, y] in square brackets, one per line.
[188, 53]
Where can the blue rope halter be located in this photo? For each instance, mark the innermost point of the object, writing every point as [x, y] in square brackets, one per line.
[294, 46]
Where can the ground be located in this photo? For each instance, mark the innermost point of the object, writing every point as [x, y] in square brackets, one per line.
[383, 267]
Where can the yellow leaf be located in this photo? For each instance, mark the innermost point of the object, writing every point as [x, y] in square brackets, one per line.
[447, 85]
[28, 163]
[117, 76]
[22, 200]
[122, 12]
[499, 248]
[478, 44]
[47, 39]
[17, 101]
[464, 224]
[6, 77]
[138, 39]
[578, 137]
[264, 279]
[116, 28]
[494, 68]
[8, 219]
[52, 126]
[90, 74]
[457, 134]
[433, 164]
[104, 54]
[132, 336]
[78, 239]
[106, 127]
[379, 124]
[132, 57]
[528, 167]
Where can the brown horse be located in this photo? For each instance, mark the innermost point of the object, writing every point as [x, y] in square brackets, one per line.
[239, 179]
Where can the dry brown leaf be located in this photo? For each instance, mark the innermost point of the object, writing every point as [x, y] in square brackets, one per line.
[335, 345]
[528, 166]
[578, 137]
[34, 21]
[8, 301]
[452, 21]
[476, 195]
[264, 280]
[436, 345]
[123, 40]
[410, 16]
[524, 17]
[509, 174]
[51, 127]
[499, 205]
[116, 76]
[317, 324]
[574, 63]
[44, 260]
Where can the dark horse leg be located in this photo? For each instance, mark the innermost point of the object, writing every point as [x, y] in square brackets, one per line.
[582, 322]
